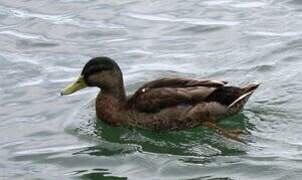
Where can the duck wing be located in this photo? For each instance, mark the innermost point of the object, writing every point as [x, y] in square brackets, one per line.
[167, 92]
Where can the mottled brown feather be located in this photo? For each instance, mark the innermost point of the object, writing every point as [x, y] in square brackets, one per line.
[167, 92]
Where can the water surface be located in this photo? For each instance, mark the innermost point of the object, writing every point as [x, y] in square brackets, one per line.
[44, 45]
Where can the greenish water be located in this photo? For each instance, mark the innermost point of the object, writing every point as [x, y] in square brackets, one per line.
[44, 45]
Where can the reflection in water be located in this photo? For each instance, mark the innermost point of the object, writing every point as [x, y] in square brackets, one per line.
[197, 141]
[197, 146]
[97, 174]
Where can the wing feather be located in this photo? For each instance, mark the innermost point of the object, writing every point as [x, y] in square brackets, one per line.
[167, 92]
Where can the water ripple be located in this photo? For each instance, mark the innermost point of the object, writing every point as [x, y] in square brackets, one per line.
[58, 19]
[204, 22]
[266, 34]
[45, 44]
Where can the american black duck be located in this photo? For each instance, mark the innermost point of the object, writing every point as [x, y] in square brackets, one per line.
[162, 104]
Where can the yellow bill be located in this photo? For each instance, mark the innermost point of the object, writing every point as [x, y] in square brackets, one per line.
[75, 86]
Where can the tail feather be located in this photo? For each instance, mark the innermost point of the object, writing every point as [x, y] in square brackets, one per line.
[230, 95]
[250, 87]
[241, 100]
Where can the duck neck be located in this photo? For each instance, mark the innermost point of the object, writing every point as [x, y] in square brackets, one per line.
[116, 91]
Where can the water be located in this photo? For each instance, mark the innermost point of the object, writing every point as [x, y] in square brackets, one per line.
[44, 45]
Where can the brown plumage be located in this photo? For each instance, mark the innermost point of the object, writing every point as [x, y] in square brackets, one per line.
[162, 104]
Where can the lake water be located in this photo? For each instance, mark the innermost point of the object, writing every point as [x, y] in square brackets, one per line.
[44, 45]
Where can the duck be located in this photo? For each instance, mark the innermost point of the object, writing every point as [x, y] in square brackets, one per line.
[165, 104]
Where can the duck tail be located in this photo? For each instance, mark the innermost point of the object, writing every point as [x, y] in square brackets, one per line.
[250, 87]
[248, 90]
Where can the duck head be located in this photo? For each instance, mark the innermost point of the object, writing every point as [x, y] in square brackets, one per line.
[101, 72]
